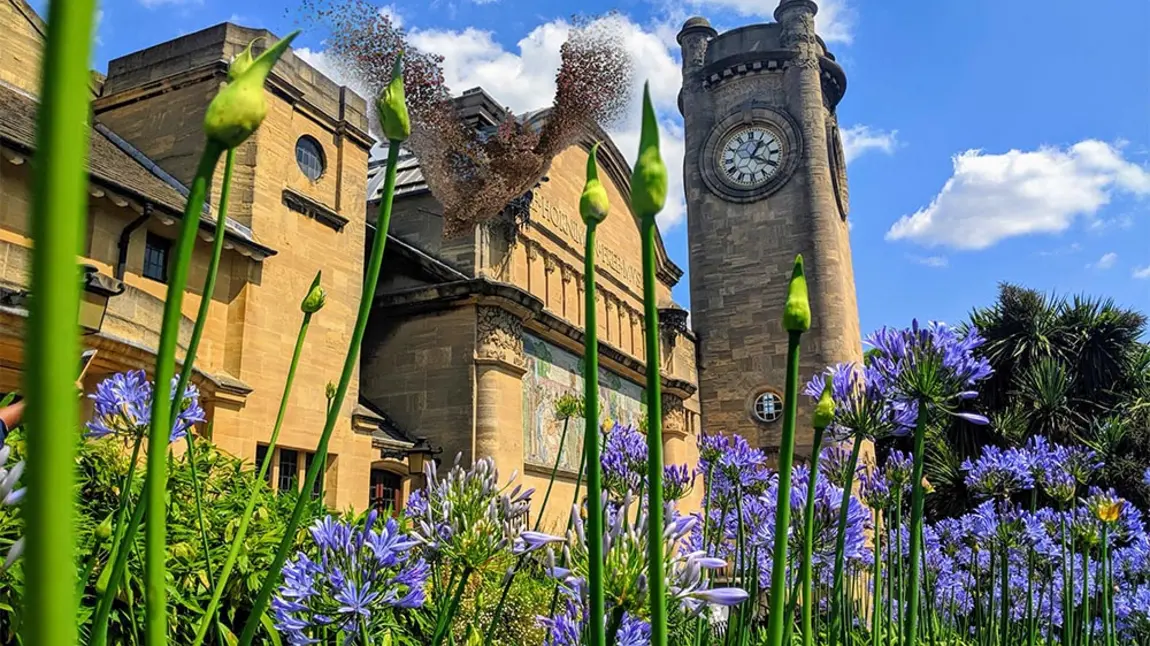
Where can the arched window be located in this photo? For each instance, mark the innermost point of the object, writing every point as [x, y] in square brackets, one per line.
[768, 407]
[309, 156]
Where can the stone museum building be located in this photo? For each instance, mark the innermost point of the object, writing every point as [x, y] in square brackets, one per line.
[472, 339]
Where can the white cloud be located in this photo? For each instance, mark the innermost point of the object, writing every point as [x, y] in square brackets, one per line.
[937, 262]
[992, 197]
[392, 13]
[858, 139]
[1141, 272]
[525, 80]
[1105, 262]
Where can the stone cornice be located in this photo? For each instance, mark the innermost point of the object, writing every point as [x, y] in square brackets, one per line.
[304, 205]
[485, 292]
[833, 77]
[218, 71]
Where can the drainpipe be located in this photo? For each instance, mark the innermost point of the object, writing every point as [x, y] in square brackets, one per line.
[125, 236]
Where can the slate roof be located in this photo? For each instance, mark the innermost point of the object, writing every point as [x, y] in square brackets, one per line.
[115, 163]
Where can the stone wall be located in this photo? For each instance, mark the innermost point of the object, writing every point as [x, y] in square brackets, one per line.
[23, 35]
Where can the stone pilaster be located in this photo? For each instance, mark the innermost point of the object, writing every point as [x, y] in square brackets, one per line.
[499, 368]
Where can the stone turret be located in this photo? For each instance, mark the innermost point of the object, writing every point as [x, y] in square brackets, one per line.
[765, 180]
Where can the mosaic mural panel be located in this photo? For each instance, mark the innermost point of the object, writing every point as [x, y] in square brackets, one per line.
[551, 373]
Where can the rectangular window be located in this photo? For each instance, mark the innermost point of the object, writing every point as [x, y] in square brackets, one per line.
[289, 469]
[156, 251]
[317, 488]
[261, 457]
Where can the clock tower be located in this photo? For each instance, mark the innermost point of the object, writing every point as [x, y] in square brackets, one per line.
[765, 180]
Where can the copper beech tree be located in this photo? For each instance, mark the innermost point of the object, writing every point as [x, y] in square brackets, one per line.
[476, 174]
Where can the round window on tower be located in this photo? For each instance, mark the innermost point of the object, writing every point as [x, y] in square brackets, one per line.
[768, 407]
[309, 156]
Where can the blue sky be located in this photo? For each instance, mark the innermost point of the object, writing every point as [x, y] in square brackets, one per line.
[991, 140]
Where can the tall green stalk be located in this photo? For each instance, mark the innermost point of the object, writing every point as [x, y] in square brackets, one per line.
[648, 196]
[309, 308]
[595, 564]
[876, 601]
[194, 343]
[796, 320]
[916, 512]
[58, 222]
[121, 509]
[155, 484]
[394, 121]
[837, 604]
[823, 416]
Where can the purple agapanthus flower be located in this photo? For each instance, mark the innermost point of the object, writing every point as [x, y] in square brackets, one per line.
[931, 364]
[624, 460]
[999, 473]
[862, 406]
[351, 580]
[123, 406]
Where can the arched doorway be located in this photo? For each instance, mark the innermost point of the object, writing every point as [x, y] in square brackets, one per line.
[386, 495]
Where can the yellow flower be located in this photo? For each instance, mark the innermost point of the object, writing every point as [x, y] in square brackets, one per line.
[1108, 512]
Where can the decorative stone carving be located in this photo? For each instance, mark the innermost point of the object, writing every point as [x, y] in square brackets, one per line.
[549, 263]
[566, 272]
[499, 336]
[674, 415]
[532, 248]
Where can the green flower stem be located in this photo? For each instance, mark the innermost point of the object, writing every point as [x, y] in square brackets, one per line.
[837, 591]
[706, 533]
[554, 470]
[1031, 620]
[805, 569]
[656, 580]
[1004, 610]
[570, 522]
[119, 565]
[1087, 625]
[255, 495]
[443, 626]
[121, 509]
[1104, 583]
[783, 508]
[876, 601]
[489, 634]
[194, 342]
[596, 612]
[58, 215]
[351, 361]
[916, 513]
[155, 486]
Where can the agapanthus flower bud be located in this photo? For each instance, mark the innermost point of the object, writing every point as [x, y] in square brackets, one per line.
[315, 298]
[797, 311]
[593, 202]
[104, 529]
[568, 406]
[649, 179]
[329, 391]
[242, 61]
[391, 106]
[240, 108]
[825, 408]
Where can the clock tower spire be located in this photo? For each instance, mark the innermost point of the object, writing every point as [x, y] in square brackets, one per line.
[765, 180]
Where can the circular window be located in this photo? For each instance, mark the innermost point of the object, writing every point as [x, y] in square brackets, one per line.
[309, 156]
[768, 407]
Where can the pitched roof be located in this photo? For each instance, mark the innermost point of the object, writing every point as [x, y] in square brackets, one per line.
[116, 163]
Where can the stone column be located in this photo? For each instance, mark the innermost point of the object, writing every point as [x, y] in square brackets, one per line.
[499, 368]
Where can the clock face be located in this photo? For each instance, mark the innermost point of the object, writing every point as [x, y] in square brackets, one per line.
[750, 156]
